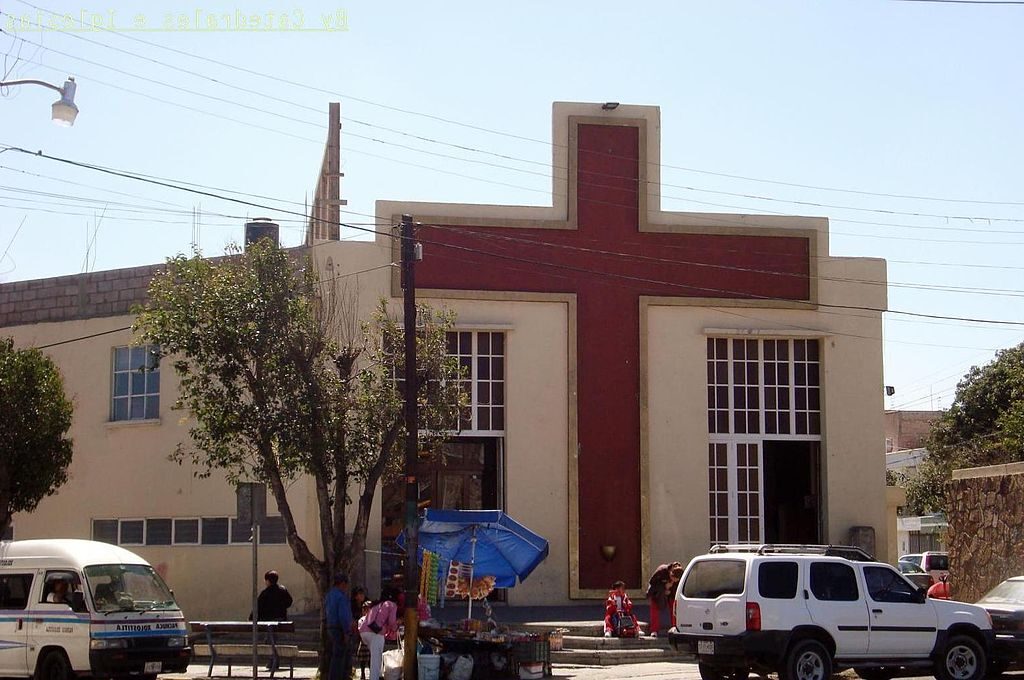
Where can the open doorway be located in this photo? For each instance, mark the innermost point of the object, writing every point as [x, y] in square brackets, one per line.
[792, 492]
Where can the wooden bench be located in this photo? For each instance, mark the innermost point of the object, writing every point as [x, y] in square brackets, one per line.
[231, 652]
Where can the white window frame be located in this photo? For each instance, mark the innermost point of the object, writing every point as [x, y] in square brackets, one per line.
[474, 396]
[122, 520]
[199, 530]
[731, 440]
[150, 350]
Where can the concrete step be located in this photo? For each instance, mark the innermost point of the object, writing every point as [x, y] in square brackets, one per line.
[612, 657]
[578, 642]
[573, 628]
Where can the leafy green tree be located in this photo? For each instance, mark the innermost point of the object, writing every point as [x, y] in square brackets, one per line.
[983, 426]
[283, 381]
[35, 451]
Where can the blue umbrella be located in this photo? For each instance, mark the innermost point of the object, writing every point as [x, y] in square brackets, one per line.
[491, 542]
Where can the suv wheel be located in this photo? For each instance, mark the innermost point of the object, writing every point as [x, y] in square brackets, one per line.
[709, 672]
[961, 659]
[809, 660]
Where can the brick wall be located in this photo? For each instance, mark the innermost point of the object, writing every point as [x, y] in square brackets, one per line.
[908, 429]
[986, 528]
[82, 296]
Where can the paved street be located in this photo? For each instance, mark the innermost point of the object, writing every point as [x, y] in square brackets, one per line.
[644, 671]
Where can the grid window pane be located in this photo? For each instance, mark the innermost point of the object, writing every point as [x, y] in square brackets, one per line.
[215, 531]
[132, 532]
[135, 383]
[158, 532]
[105, 530]
[186, 531]
[481, 354]
[240, 532]
[272, 531]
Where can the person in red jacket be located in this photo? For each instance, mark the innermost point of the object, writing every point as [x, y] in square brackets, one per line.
[619, 620]
[940, 590]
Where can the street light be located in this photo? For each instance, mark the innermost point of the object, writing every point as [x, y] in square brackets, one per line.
[64, 110]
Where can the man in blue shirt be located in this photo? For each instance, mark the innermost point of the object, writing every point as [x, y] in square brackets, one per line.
[338, 609]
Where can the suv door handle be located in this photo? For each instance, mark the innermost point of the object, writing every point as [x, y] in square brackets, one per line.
[876, 611]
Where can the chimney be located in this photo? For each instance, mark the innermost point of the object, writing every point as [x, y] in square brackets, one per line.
[261, 227]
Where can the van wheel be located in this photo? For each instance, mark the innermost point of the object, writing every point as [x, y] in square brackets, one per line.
[709, 672]
[961, 659]
[54, 666]
[809, 660]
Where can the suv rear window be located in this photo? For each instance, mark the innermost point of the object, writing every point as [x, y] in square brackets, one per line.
[939, 562]
[709, 579]
[777, 580]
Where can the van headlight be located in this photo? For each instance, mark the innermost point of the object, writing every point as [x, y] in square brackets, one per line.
[176, 642]
[108, 643]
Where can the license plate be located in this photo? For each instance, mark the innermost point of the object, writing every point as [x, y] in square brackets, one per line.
[705, 646]
[153, 667]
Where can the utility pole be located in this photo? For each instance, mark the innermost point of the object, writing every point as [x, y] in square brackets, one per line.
[412, 581]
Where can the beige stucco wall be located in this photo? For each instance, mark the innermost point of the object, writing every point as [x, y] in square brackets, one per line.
[121, 470]
[853, 465]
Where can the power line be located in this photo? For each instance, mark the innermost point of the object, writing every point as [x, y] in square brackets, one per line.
[579, 270]
[481, 151]
[277, 80]
[549, 192]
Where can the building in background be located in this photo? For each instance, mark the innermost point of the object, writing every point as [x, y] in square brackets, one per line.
[643, 383]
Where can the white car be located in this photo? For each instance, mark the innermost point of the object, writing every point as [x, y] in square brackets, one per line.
[805, 613]
[933, 563]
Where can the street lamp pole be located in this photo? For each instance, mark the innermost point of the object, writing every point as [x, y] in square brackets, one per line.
[64, 110]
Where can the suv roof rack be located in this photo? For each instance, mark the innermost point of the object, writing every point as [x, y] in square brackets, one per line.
[849, 552]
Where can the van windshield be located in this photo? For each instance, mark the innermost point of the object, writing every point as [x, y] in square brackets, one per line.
[127, 588]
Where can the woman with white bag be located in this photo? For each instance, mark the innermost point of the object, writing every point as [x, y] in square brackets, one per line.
[381, 621]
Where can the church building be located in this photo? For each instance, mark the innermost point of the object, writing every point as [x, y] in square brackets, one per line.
[643, 384]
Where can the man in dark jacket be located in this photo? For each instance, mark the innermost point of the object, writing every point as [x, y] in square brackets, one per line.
[274, 601]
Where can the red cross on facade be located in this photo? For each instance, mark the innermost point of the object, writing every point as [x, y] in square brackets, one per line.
[610, 256]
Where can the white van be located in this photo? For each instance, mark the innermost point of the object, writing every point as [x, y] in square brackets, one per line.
[71, 607]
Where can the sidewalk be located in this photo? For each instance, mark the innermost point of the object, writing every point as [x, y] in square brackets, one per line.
[646, 671]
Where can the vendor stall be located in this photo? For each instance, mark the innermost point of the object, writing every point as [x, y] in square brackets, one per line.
[466, 554]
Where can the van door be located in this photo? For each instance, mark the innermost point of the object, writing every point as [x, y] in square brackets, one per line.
[835, 603]
[14, 599]
[54, 623]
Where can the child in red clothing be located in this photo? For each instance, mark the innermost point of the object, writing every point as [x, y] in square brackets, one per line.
[618, 613]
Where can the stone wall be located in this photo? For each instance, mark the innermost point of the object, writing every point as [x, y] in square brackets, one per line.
[986, 528]
[82, 296]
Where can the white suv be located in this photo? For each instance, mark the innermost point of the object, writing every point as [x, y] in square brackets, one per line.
[806, 613]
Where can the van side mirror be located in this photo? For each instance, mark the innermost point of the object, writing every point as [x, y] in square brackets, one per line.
[78, 601]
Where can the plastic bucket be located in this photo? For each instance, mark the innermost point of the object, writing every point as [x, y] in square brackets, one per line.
[429, 666]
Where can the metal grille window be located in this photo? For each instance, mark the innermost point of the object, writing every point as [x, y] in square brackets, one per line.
[215, 531]
[132, 532]
[272, 531]
[135, 392]
[746, 395]
[186, 532]
[718, 385]
[481, 357]
[758, 389]
[786, 402]
[158, 531]
[748, 493]
[806, 381]
[105, 530]
[718, 492]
